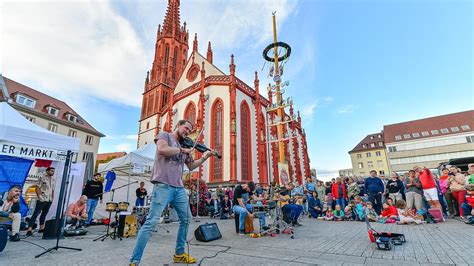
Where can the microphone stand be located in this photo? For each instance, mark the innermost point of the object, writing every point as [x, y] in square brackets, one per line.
[113, 235]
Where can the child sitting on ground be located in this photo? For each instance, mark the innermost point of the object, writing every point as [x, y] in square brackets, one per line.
[389, 214]
[370, 213]
[338, 213]
[349, 211]
[404, 215]
[359, 209]
[329, 215]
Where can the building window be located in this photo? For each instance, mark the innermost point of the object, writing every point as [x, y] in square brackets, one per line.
[359, 156]
[364, 146]
[380, 144]
[434, 132]
[147, 125]
[370, 164]
[245, 142]
[378, 154]
[372, 145]
[425, 133]
[72, 133]
[53, 111]
[89, 139]
[379, 136]
[371, 137]
[86, 155]
[361, 165]
[368, 154]
[465, 127]
[392, 149]
[217, 140]
[455, 129]
[381, 172]
[53, 127]
[398, 137]
[29, 118]
[416, 135]
[444, 130]
[470, 139]
[380, 163]
[190, 113]
[23, 100]
[71, 118]
[406, 136]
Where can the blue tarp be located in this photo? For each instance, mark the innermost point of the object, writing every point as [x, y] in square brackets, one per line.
[13, 171]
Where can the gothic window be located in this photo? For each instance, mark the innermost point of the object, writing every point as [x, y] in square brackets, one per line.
[175, 59]
[245, 143]
[164, 100]
[150, 105]
[190, 113]
[217, 136]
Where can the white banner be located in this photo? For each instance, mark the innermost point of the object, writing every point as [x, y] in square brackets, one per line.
[33, 152]
[138, 169]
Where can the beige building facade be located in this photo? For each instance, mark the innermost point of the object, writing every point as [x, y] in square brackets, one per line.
[430, 141]
[370, 155]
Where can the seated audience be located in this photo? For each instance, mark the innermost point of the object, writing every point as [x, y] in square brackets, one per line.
[314, 205]
[10, 208]
[225, 207]
[359, 208]
[338, 213]
[370, 212]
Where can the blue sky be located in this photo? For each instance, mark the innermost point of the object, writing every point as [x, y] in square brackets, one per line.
[355, 65]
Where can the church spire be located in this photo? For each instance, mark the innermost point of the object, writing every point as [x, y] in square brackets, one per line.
[209, 52]
[195, 43]
[171, 23]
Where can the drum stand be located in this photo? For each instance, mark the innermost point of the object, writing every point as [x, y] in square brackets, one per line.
[113, 235]
[279, 225]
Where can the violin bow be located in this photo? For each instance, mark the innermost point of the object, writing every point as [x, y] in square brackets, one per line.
[195, 140]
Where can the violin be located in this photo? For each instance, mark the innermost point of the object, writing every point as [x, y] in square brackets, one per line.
[188, 143]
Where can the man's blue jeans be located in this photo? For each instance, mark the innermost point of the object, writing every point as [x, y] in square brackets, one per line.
[243, 213]
[91, 205]
[341, 202]
[163, 195]
[466, 208]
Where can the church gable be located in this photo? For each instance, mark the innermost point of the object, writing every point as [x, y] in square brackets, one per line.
[192, 71]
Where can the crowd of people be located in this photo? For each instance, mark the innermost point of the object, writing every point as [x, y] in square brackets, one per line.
[418, 196]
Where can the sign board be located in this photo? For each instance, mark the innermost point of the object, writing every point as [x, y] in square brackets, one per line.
[283, 173]
[32, 152]
[138, 169]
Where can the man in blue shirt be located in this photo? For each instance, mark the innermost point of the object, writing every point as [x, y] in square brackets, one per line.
[374, 189]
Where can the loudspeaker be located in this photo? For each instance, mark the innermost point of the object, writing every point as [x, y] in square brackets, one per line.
[3, 237]
[207, 232]
[50, 229]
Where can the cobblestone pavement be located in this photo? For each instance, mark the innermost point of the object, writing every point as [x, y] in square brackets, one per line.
[316, 242]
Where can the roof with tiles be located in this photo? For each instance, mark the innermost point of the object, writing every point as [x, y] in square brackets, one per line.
[370, 142]
[436, 126]
[44, 101]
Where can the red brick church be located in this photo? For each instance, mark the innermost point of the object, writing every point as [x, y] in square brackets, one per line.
[232, 113]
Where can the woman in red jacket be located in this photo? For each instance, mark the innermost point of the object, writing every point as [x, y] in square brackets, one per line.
[339, 192]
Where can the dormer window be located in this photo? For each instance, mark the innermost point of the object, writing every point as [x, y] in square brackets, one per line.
[26, 101]
[71, 118]
[52, 111]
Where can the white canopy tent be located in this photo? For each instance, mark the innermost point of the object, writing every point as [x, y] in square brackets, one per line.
[143, 156]
[21, 138]
[24, 139]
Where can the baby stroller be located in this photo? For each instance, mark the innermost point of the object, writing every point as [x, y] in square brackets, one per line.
[384, 240]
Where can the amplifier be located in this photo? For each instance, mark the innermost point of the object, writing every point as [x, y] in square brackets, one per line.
[50, 229]
[207, 232]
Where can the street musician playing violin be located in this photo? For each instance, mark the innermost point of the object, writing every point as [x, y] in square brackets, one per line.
[170, 158]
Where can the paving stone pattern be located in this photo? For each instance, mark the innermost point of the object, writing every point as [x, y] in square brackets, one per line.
[316, 242]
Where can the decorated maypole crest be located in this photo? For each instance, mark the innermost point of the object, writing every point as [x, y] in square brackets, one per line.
[281, 53]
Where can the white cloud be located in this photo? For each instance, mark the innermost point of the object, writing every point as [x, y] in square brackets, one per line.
[309, 109]
[328, 99]
[73, 48]
[85, 48]
[347, 109]
[123, 147]
[132, 137]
